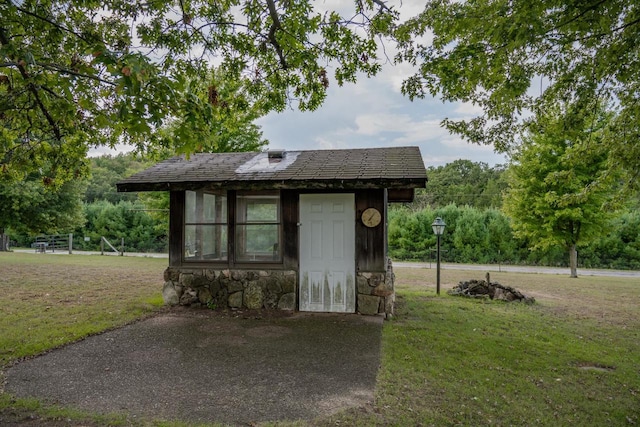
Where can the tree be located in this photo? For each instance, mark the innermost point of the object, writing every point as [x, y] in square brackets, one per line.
[35, 207]
[556, 186]
[75, 74]
[105, 171]
[462, 182]
[518, 59]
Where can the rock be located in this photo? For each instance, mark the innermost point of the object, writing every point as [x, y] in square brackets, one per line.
[186, 279]
[287, 302]
[235, 300]
[289, 282]
[253, 298]
[493, 290]
[270, 284]
[169, 294]
[233, 285]
[189, 297]
[368, 304]
[362, 284]
[238, 275]
[389, 305]
[376, 279]
[270, 300]
[204, 296]
[199, 281]
[171, 274]
[383, 290]
[215, 287]
[500, 295]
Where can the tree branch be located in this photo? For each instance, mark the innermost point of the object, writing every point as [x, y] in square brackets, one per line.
[62, 70]
[383, 5]
[275, 26]
[4, 39]
[55, 24]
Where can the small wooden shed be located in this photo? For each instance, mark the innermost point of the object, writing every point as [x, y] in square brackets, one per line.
[292, 230]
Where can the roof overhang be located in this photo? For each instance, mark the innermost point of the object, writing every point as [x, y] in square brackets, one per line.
[399, 169]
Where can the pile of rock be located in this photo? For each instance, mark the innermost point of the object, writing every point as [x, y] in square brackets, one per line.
[488, 289]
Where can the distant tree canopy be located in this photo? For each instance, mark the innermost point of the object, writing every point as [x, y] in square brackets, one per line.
[34, 207]
[462, 182]
[106, 171]
[76, 74]
[518, 59]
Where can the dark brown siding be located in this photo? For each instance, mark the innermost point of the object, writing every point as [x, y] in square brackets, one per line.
[176, 227]
[371, 242]
[290, 219]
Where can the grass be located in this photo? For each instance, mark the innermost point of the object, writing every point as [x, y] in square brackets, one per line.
[573, 358]
[49, 300]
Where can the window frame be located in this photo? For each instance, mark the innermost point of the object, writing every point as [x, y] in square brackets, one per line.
[200, 222]
[233, 225]
[242, 223]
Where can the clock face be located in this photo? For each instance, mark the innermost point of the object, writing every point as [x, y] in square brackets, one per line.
[371, 217]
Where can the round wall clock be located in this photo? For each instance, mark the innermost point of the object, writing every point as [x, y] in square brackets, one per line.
[371, 217]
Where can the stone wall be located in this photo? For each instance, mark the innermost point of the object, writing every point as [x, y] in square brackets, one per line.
[252, 289]
[270, 289]
[375, 292]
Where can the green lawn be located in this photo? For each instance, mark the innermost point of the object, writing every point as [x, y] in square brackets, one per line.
[573, 358]
[48, 300]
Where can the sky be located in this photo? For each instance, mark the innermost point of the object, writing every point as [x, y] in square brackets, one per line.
[374, 113]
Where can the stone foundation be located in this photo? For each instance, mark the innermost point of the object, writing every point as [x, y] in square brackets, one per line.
[253, 289]
[375, 292]
[269, 289]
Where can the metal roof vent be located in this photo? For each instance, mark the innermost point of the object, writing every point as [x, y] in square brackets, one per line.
[276, 156]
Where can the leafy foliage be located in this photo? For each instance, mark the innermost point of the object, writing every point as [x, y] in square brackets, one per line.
[477, 235]
[517, 60]
[75, 74]
[556, 185]
[105, 171]
[472, 235]
[123, 220]
[32, 206]
[462, 182]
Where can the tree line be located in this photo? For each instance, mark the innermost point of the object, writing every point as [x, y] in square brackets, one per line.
[485, 236]
[468, 195]
[89, 208]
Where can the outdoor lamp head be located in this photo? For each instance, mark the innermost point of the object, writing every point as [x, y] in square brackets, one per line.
[438, 226]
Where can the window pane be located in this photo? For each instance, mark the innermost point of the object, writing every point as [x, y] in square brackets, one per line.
[258, 228]
[259, 242]
[205, 242]
[205, 231]
[205, 207]
[258, 208]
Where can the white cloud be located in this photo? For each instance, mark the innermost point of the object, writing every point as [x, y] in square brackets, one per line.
[467, 110]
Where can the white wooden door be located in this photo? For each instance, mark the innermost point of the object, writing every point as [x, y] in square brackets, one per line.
[327, 253]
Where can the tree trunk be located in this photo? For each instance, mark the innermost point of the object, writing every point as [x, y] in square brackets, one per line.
[4, 241]
[573, 260]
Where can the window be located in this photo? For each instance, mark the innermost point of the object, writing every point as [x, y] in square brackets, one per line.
[258, 227]
[205, 229]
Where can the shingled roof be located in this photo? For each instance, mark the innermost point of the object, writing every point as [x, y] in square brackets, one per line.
[397, 167]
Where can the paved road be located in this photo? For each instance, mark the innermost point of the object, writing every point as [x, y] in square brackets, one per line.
[106, 253]
[520, 269]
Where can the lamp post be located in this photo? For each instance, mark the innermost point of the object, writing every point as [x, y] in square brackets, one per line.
[438, 228]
